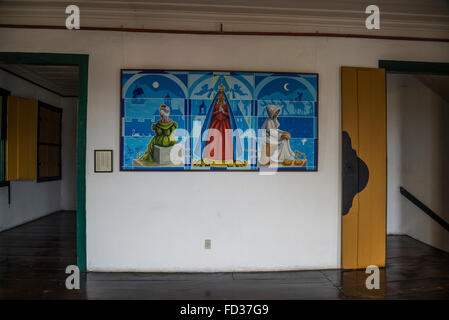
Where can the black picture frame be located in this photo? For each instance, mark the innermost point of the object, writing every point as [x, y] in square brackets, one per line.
[111, 162]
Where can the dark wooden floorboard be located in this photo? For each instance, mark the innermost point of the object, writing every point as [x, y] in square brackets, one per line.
[33, 258]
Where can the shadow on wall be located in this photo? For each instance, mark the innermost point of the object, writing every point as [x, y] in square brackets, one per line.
[439, 104]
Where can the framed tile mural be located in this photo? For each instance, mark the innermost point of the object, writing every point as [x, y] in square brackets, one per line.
[209, 120]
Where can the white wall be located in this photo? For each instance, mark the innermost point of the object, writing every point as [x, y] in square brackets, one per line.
[31, 200]
[158, 221]
[418, 144]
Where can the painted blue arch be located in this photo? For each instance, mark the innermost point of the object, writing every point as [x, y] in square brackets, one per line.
[221, 79]
[174, 79]
[260, 86]
[245, 82]
[194, 85]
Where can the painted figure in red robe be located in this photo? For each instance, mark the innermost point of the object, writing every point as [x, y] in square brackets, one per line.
[219, 144]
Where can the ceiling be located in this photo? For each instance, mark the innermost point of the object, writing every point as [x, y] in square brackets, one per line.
[62, 80]
[414, 18]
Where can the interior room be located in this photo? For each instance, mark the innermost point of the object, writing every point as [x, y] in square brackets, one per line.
[55, 88]
[417, 107]
[210, 150]
[38, 165]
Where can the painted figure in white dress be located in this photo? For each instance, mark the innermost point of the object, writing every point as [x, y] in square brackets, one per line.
[275, 146]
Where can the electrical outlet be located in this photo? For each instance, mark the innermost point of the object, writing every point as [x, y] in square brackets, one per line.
[207, 244]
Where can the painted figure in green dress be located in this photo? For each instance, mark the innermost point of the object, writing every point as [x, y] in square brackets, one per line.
[164, 130]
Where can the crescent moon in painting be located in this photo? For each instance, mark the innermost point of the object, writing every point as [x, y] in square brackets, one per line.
[285, 86]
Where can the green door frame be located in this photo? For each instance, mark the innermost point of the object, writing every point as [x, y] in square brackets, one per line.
[440, 68]
[82, 61]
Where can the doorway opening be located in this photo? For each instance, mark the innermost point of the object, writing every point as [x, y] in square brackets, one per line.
[417, 114]
[417, 150]
[51, 149]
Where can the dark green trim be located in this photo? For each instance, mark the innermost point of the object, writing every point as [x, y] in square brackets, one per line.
[81, 162]
[82, 61]
[414, 67]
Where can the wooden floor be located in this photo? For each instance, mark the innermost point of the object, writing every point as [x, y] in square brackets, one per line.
[33, 258]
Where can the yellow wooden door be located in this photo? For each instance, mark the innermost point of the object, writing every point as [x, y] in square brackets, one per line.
[21, 139]
[364, 123]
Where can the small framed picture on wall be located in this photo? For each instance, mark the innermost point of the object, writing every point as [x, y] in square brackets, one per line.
[103, 161]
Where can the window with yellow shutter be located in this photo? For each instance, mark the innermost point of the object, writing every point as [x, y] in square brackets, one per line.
[49, 143]
[3, 102]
